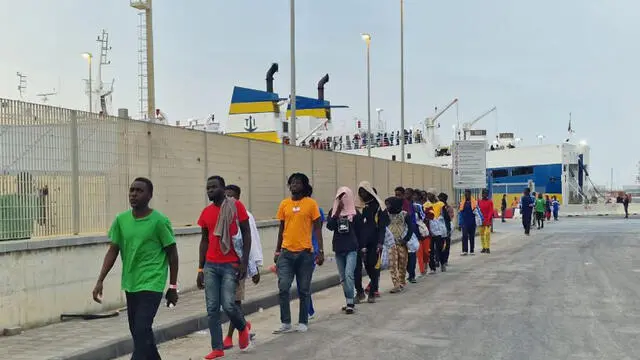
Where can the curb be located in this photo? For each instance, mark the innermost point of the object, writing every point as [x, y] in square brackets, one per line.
[186, 326]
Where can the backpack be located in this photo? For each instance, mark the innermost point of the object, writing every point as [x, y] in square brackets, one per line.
[398, 226]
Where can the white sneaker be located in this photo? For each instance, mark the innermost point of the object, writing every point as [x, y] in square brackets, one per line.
[284, 329]
[301, 328]
[312, 316]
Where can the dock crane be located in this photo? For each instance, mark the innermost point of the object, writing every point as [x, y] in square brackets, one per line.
[430, 123]
[466, 127]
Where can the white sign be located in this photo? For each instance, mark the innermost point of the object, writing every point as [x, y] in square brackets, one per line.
[249, 123]
[469, 164]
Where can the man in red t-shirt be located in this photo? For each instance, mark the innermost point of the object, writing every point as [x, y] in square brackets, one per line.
[223, 262]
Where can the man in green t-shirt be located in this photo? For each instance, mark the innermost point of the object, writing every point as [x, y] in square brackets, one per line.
[145, 239]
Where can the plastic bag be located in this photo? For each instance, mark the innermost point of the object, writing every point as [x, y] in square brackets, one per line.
[478, 215]
[438, 227]
[413, 245]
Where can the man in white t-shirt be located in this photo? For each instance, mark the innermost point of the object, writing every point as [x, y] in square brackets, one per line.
[255, 261]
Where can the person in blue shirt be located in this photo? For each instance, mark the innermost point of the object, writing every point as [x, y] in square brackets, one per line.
[467, 222]
[526, 210]
[555, 204]
[316, 250]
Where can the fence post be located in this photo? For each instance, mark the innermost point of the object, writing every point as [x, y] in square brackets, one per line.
[335, 171]
[284, 171]
[206, 165]
[149, 150]
[250, 196]
[75, 174]
[313, 169]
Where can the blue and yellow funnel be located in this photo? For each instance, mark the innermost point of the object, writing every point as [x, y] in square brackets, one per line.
[254, 114]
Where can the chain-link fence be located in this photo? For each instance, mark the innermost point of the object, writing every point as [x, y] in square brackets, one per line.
[65, 172]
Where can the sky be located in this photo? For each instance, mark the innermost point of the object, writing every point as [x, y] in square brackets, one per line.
[535, 61]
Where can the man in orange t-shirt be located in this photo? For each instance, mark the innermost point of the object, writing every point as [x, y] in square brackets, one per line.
[299, 218]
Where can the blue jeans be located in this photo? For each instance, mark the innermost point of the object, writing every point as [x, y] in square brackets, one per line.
[290, 265]
[311, 309]
[346, 267]
[220, 283]
[142, 307]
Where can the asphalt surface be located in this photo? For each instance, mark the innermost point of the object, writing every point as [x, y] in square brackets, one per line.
[570, 291]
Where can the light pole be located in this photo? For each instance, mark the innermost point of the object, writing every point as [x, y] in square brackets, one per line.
[367, 39]
[89, 58]
[402, 80]
[292, 30]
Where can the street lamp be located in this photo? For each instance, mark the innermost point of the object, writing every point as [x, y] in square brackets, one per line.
[292, 129]
[402, 79]
[89, 58]
[367, 39]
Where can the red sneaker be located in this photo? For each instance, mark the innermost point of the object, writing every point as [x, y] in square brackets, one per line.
[215, 354]
[244, 337]
[227, 343]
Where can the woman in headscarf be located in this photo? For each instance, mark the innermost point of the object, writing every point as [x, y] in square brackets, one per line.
[346, 223]
[371, 240]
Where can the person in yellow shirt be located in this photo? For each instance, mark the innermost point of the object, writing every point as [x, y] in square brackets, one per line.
[299, 218]
[438, 231]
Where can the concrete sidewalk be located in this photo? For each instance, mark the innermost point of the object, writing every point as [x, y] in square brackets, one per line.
[105, 339]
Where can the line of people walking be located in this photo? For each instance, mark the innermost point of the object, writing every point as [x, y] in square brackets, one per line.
[536, 208]
[409, 230]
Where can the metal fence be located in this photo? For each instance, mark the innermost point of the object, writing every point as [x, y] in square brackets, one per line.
[65, 171]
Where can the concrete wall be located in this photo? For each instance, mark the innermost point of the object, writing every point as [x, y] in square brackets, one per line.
[42, 279]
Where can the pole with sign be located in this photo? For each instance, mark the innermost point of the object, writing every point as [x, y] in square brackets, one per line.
[469, 164]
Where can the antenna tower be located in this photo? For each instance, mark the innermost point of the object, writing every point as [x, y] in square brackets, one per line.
[22, 84]
[145, 59]
[103, 41]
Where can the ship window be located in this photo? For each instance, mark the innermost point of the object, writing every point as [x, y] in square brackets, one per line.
[408, 156]
[285, 127]
[393, 158]
[525, 170]
[500, 173]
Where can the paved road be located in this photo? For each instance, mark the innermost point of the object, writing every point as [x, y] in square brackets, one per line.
[570, 291]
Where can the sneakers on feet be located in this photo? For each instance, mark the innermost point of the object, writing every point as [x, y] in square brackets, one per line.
[227, 343]
[302, 328]
[244, 337]
[413, 281]
[350, 309]
[443, 268]
[215, 354]
[488, 251]
[464, 253]
[361, 297]
[312, 316]
[396, 290]
[371, 299]
[284, 329]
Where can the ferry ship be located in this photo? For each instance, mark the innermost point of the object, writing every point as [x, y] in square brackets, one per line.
[559, 170]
